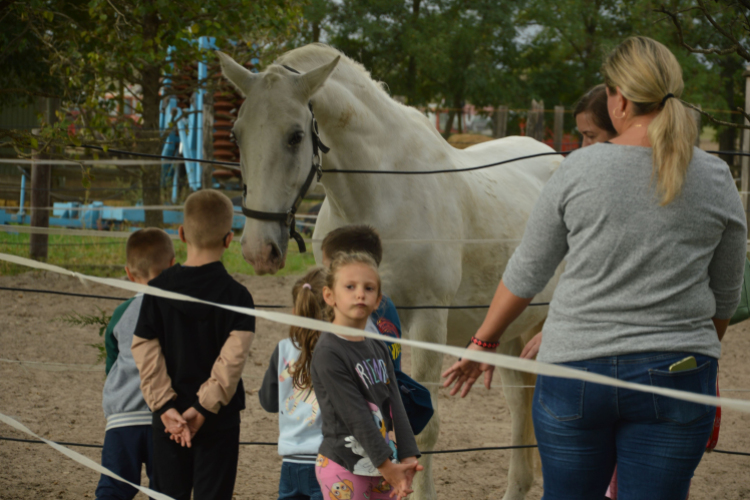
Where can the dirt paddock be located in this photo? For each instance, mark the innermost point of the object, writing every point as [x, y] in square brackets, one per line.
[66, 405]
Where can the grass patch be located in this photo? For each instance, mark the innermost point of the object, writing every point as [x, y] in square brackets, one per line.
[105, 257]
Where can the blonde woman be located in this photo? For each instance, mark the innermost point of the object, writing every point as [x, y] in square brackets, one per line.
[654, 238]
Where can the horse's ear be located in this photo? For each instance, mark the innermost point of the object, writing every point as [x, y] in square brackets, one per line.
[239, 77]
[314, 79]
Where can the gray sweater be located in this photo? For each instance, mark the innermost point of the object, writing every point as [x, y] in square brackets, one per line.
[638, 277]
[122, 399]
[364, 420]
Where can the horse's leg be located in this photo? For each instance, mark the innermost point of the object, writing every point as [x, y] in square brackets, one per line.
[519, 399]
[429, 326]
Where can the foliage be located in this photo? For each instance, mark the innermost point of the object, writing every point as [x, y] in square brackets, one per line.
[718, 34]
[492, 52]
[25, 75]
[102, 320]
[99, 50]
[432, 50]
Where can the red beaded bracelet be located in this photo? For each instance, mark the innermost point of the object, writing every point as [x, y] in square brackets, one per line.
[485, 344]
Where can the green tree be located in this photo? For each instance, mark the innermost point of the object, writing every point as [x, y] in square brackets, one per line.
[564, 45]
[716, 33]
[25, 74]
[101, 47]
[449, 51]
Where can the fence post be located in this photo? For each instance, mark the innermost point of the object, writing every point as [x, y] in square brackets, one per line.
[41, 183]
[559, 121]
[745, 177]
[535, 125]
[697, 115]
[501, 122]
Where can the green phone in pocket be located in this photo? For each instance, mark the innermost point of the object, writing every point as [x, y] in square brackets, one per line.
[684, 364]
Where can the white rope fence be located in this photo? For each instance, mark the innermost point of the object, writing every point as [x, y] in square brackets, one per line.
[500, 360]
[83, 460]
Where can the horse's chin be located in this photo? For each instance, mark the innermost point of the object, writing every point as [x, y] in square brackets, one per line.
[262, 267]
[269, 261]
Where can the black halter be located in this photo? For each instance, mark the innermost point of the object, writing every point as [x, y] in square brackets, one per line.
[288, 217]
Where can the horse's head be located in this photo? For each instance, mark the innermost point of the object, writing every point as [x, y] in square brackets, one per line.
[274, 135]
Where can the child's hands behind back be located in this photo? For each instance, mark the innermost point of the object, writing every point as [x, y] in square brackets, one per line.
[175, 425]
[194, 420]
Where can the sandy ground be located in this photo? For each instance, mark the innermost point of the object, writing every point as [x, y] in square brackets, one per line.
[66, 406]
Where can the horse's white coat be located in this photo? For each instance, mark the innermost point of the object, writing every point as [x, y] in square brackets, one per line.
[367, 130]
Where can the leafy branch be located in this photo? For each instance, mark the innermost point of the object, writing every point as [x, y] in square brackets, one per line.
[101, 321]
[716, 120]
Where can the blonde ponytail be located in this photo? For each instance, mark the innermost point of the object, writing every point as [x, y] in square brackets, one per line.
[307, 294]
[647, 73]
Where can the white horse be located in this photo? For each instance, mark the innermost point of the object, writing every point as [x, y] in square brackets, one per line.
[430, 224]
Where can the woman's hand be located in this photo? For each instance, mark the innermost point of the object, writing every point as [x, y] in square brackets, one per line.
[531, 349]
[465, 372]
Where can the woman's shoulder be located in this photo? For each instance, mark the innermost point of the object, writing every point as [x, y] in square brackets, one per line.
[595, 153]
[709, 161]
[710, 175]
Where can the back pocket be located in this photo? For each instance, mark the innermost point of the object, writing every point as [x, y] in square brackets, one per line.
[677, 410]
[562, 398]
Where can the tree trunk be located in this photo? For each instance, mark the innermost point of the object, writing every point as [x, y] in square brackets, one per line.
[41, 184]
[411, 70]
[456, 109]
[149, 135]
[316, 31]
[728, 135]
[449, 124]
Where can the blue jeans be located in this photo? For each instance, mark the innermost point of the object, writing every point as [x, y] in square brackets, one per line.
[583, 429]
[125, 450]
[298, 482]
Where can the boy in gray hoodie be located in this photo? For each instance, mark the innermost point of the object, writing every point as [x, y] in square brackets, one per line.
[127, 438]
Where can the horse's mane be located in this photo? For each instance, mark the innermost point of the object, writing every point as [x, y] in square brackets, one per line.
[348, 72]
[317, 54]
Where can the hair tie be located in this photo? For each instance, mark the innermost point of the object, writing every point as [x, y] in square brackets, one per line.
[307, 285]
[666, 97]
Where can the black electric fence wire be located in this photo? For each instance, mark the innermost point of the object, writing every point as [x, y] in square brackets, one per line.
[259, 306]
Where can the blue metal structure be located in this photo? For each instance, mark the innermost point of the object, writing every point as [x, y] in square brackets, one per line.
[96, 215]
[188, 138]
[185, 139]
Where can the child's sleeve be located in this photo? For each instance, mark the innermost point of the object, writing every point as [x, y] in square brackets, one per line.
[405, 442]
[391, 314]
[110, 345]
[219, 389]
[339, 390]
[269, 390]
[156, 385]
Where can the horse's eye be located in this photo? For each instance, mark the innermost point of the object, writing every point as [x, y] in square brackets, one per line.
[296, 138]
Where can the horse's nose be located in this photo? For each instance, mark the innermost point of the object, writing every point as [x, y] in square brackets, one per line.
[271, 253]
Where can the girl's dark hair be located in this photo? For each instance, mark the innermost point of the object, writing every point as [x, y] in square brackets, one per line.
[594, 101]
[308, 303]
